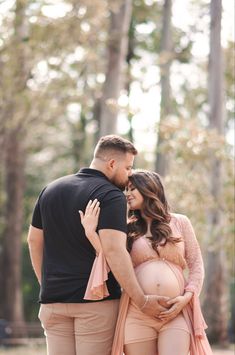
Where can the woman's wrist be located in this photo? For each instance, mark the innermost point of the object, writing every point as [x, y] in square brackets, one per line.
[188, 296]
[91, 234]
[94, 239]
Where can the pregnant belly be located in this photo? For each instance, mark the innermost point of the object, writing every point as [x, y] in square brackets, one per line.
[156, 278]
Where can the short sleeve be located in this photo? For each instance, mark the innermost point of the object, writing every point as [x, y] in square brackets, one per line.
[113, 211]
[36, 217]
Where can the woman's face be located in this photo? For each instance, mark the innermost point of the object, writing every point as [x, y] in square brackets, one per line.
[134, 198]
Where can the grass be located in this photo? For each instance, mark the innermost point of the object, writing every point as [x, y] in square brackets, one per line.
[30, 349]
[33, 348]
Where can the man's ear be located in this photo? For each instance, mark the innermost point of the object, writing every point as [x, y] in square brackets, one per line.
[111, 163]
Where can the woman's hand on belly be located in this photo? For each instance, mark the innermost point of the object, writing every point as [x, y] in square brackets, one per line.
[176, 306]
[154, 305]
[163, 301]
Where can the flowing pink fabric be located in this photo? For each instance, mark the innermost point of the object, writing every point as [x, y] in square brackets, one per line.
[96, 287]
[118, 342]
[199, 344]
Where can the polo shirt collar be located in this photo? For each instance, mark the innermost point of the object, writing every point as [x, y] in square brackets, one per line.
[93, 172]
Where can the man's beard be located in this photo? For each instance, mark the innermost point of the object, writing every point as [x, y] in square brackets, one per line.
[120, 185]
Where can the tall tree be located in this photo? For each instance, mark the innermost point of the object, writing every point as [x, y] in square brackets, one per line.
[215, 303]
[120, 17]
[166, 58]
[16, 110]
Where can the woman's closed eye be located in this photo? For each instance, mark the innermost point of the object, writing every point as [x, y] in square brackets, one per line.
[130, 188]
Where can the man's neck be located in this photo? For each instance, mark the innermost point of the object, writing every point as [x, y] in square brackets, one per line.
[98, 166]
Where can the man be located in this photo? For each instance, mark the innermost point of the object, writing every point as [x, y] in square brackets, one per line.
[62, 256]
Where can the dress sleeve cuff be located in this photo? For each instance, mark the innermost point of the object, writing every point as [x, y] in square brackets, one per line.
[191, 288]
[96, 287]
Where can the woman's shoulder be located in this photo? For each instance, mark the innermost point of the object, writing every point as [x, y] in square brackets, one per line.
[178, 216]
[179, 219]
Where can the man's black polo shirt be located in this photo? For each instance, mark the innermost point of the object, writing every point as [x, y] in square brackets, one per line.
[68, 255]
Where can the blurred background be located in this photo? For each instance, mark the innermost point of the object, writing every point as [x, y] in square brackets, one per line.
[160, 73]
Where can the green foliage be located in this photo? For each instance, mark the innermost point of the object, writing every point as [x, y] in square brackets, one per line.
[229, 84]
[190, 148]
[30, 287]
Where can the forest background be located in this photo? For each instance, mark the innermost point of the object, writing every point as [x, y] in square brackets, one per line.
[160, 73]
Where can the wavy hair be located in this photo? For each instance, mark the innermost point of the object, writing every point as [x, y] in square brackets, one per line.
[155, 207]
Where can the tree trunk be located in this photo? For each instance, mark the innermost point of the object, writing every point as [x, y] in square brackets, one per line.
[78, 138]
[165, 64]
[1, 241]
[216, 300]
[117, 50]
[129, 57]
[14, 186]
[16, 107]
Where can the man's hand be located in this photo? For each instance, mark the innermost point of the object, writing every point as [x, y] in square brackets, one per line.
[154, 305]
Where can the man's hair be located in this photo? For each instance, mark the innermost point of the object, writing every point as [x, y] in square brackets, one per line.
[113, 143]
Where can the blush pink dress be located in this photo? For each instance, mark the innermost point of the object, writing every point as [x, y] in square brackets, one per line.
[178, 256]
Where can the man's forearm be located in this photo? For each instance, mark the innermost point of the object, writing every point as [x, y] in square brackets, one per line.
[36, 260]
[121, 266]
[36, 242]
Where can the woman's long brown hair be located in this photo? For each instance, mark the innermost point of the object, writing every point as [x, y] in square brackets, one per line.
[155, 207]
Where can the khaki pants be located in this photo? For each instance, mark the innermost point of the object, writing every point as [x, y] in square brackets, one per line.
[79, 328]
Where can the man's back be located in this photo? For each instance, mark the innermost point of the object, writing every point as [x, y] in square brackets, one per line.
[68, 255]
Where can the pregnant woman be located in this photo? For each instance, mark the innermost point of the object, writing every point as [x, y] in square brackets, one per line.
[161, 246]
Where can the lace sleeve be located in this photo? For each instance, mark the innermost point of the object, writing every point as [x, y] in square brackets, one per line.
[193, 257]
